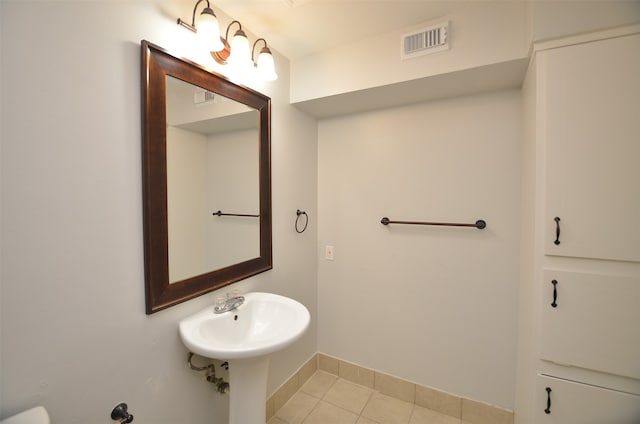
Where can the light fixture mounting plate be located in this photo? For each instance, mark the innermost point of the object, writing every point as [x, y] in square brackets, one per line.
[222, 56]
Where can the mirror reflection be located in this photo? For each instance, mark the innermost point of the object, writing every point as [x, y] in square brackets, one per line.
[206, 174]
[212, 180]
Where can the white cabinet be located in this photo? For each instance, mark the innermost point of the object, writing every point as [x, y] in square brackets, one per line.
[567, 402]
[591, 103]
[595, 323]
[580, 336]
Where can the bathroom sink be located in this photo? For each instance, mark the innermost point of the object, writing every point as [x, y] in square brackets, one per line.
[37, 415]
[244, 337]
[263, 324]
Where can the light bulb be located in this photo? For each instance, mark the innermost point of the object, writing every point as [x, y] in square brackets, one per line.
[209, 31]
[266, 66]
[240, 50]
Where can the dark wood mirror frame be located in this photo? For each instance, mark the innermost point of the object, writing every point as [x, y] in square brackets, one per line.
[156, 65]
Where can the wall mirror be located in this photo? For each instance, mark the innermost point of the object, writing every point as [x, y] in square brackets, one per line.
[206, 179]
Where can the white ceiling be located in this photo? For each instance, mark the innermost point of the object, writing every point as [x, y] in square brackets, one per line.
[297, 28]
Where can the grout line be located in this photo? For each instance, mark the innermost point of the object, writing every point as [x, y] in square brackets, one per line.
[312, 409]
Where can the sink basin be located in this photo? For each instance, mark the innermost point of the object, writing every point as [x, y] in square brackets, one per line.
[37, 415]
[264, 323]
[245, 337]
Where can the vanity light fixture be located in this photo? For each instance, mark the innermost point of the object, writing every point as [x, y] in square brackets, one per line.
[237, 52]
[209, 28]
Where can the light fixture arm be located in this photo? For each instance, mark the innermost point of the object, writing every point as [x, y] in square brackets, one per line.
[226, 35]
[253, 49]
[192, 27]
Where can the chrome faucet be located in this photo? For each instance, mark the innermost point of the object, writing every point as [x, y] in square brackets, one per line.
[229, 304]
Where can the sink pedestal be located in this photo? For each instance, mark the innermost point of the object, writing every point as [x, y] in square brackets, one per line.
[248, 390]
[246, 336]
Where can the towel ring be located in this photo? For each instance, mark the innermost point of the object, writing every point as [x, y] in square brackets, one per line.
[306, 221]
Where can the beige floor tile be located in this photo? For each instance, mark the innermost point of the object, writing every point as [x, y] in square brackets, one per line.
[319, 384]
[297, 408]
[363, 420]
[387, 410]
[422, 415]
[394, 387]
[438, 401]
[349, 396]
[357, 374]
[270, 408]
[326, 413]
[481, 413]
[326, 398]
[284, 393]
[307, 370]
[328, 363]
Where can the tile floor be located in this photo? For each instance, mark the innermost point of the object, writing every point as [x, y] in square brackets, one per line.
[328, 399]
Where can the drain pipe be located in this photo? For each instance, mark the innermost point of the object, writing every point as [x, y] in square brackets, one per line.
[221, 385]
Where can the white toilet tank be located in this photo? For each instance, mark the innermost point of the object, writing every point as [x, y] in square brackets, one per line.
[37, 415]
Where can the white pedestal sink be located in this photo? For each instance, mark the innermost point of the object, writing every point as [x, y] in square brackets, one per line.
[245, 337]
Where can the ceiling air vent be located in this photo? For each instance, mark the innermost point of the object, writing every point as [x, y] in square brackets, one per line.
[200, 97]
[425, 41]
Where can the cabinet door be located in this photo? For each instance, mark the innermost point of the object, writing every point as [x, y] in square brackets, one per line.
[590, 96]
[575, 403]
[595, 323]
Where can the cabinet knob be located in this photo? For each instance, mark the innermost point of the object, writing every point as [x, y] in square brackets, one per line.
[554, 304]
[548, 410]
[557, 219]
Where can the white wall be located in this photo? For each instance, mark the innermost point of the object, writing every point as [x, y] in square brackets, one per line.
[206, 174]
[530, 239]
[433, 305]
[481, 33]
[187, 203]
[489, 48]
[553, 18]
[234, 184]
[75, 337]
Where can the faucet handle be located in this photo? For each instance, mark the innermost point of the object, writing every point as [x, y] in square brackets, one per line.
[220, 300]
[235, 293]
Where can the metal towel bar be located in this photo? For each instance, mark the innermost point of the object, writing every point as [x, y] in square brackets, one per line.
[480, 224]
[219, 213]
